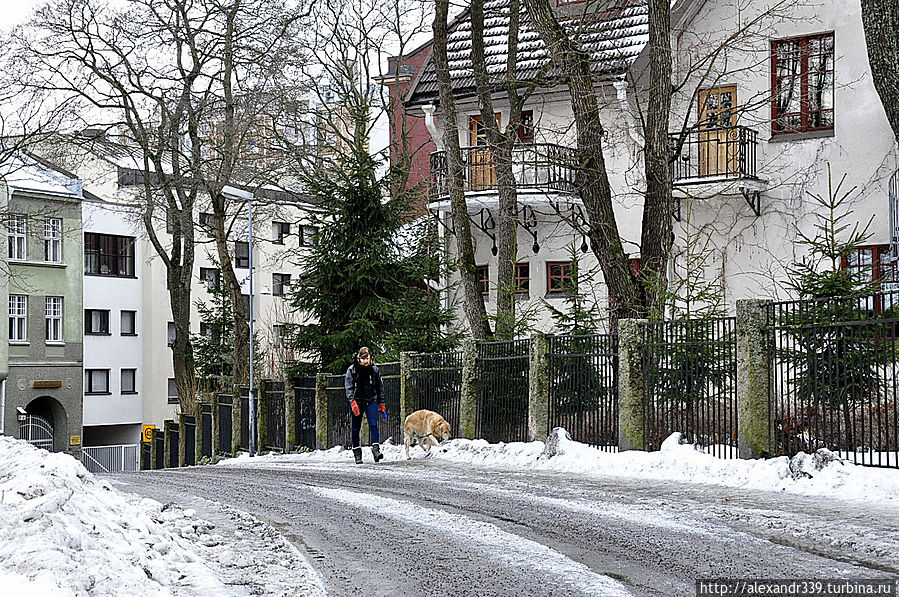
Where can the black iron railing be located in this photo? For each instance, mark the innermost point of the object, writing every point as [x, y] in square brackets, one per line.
[338, 412]
[835, 377]
[690, 383]
[436, 381]
[536, 165]
[720, 153]
[392, 427]
[304, 412]
[894, 214]
[502, 386]
[583, 388]
[275, 416]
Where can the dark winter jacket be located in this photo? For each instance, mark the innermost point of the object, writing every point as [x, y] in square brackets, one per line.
[363, 384]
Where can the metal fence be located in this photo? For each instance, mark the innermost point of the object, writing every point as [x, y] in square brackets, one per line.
[244, 419]
[583, 388]
[392, 427]
[304, 412]
[436, 381]
[172, 431]
[275, 422]
[502, 389]
[338, 413]
[225, 421]
[190, 440]
[159, 447]
[689, 383]
[835, 377]
[121, 458]
[206, 442]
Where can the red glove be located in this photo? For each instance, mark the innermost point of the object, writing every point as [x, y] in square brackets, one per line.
[354, 407]
[382, 408]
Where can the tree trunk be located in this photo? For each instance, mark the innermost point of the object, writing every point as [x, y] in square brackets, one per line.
[182, 349]
[657, 235]
[591, 177]
[881, 21]
[501, 144]
[473, 301]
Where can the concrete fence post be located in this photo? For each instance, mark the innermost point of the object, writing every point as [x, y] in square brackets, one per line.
[321, 411]
[538, 388]
[468, 412]
[631, 425]
[290, 419]
[754, 360]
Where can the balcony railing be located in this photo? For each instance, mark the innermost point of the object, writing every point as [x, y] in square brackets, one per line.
[720, 153]
[535, 166]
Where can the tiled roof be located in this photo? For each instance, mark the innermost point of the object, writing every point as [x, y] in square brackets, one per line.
[614, 36]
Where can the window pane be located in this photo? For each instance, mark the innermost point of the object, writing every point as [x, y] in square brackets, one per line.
[128, 322]
[128, 380]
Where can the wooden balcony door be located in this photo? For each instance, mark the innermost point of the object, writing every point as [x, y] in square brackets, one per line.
[481, 169]
[719, 139]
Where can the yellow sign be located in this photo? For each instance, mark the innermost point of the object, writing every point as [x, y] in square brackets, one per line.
[74, 440]
[148, 432]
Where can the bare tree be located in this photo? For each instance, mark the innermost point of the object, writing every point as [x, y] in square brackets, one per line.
[473, 302]
[881, 22]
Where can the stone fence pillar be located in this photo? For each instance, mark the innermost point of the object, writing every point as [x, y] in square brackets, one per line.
[754, 359]
[631, 425]
[538, 388]
[468, 418]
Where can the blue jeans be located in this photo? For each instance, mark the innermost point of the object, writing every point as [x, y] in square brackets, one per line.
[371, 413]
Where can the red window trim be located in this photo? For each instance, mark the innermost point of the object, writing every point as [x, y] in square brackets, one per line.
[550, 277]
[876, 267]
[484, 279]
[526, 133]
[519, 279]
[803, 85]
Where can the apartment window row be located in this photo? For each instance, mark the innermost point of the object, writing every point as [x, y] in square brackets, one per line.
[18, 318]
[307, 235]
[96, 381]
[17, 238]
[108, 255]
[96, 322]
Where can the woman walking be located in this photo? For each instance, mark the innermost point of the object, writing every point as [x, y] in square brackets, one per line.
[365, 392]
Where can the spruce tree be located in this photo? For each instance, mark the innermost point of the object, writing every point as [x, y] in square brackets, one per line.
[367, 282]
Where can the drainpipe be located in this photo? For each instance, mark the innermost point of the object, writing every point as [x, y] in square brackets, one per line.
[432, 127]
[2, 406]
[621, 89]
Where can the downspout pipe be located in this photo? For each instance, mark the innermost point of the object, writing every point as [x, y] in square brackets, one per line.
[632, 129]
[432, 126]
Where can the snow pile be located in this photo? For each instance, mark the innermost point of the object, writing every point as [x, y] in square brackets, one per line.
[63, 532]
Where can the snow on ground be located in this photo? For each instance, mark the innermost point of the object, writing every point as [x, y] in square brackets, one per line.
[64, 533]
[817, 474]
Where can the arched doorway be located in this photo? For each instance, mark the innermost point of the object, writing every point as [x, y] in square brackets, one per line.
[44, 424]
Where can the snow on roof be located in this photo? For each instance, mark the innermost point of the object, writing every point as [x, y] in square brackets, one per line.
[614, 37]
[22, 173]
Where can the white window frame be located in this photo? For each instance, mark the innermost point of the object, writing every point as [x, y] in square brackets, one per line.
[53, 315]
[89, 375]
[18, 318]
[126, 315]
[16, 230]
[53, 240]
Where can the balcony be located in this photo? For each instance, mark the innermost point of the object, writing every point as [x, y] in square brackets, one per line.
[539, 166]
[710, 155]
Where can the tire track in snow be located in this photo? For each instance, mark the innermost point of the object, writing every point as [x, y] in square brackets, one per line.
[492, 541]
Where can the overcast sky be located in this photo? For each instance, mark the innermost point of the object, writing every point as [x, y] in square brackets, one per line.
[13, 12]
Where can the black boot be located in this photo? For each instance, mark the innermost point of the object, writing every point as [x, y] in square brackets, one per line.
[376, 452]
[357, 454]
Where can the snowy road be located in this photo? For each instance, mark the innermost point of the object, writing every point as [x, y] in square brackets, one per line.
[430, 527]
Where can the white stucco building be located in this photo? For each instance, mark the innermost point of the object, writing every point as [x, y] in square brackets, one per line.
[789, 92]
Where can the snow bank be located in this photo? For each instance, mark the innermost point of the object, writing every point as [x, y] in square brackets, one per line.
[64, 532]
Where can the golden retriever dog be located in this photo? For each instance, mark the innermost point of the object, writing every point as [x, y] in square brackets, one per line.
[426, 428]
